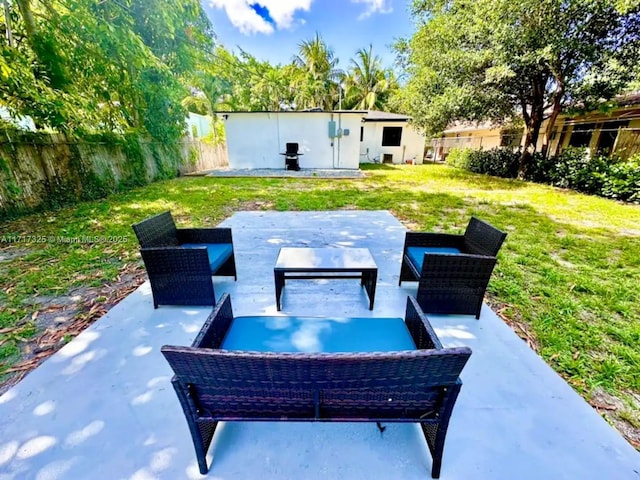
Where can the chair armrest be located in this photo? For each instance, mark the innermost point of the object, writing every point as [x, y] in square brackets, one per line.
[429, 239]
[204, 235]
[423, 334]
[216, 326]
[167, 260]
[466, 266]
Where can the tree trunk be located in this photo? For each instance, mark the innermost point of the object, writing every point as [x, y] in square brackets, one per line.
[531, 139]
[7, 16]
[525, 156]
[557, 105]
[44, 47]
[29, 20]
[533, 122]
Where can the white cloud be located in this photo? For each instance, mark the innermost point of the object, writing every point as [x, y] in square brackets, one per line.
[282, 11]
[245, 19]
[374, 6]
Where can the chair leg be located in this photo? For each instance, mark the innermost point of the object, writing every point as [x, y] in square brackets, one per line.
[201, 432]
[228, 268]
[434, 436]
[479, 309]
[405, 273]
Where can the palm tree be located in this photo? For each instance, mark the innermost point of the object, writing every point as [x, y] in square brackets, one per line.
[271, 88]
[367, 83]
[317, 74]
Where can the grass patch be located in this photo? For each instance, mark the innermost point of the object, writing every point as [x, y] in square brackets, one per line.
[568, 269]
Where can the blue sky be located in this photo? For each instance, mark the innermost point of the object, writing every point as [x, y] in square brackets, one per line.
[272, 29]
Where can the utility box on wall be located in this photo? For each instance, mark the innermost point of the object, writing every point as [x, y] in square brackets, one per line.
[332, 129]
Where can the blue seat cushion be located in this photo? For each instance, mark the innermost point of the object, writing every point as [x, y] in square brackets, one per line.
[218, 253]
[416, 254]
[314, 334]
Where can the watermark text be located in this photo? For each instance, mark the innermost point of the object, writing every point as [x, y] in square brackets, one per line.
[81, 239]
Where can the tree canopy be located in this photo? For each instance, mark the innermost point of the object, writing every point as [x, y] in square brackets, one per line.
[499, 59]
[92, 66]
[89, 65]
[367, 84]
[311, 80]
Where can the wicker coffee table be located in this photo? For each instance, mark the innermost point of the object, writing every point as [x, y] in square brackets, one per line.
[321, 263]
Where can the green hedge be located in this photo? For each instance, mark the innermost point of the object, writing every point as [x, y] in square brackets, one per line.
[499, 162]
[623, 180]
[573, 168]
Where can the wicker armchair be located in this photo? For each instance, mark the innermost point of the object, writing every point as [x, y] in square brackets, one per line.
[452, 271]
[181, 261]
[214, 383]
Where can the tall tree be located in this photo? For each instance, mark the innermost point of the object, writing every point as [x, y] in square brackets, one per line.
[242, 82]
[317, 77]
[94, 65]
[367, 83]
[495, 59]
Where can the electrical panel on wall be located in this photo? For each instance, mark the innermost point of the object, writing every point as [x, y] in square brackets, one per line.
[332, 129]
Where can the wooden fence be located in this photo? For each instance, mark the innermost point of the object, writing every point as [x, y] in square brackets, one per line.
[45, 170]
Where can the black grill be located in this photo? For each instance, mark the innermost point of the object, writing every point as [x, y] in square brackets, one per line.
[291, 157]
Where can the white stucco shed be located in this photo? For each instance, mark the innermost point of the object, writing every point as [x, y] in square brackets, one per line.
[390, 138]
[326, 139]
[333, 139]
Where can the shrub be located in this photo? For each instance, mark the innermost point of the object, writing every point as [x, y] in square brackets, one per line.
[541, 169]
[459, 157]
[623, 180]
[574, 169]
[499, 162]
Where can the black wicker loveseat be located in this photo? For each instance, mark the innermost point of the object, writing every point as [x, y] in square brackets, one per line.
[452, 271]
[418, 385]
[181, 261]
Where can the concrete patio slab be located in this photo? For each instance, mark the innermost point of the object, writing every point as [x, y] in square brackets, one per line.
[103, 407]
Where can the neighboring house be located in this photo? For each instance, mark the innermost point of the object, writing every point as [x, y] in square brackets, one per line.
[327, 139]
[198, 126]
[617, 131]
[481, 136]
[23, 123]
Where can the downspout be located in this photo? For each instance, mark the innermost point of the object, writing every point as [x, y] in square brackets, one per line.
[333, 149]
[278, 133]
[339, 136]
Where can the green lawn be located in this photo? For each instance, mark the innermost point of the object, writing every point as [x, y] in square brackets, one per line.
[566, 280]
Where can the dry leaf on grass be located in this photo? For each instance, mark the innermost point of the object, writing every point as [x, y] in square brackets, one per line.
[602, 406]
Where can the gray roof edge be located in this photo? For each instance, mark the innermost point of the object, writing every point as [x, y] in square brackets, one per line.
[369, 115]
[358, 112]
[379, 116]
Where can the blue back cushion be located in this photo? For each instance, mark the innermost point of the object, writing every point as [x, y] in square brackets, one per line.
[416, 254]
[217, 252]
[314, 334]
